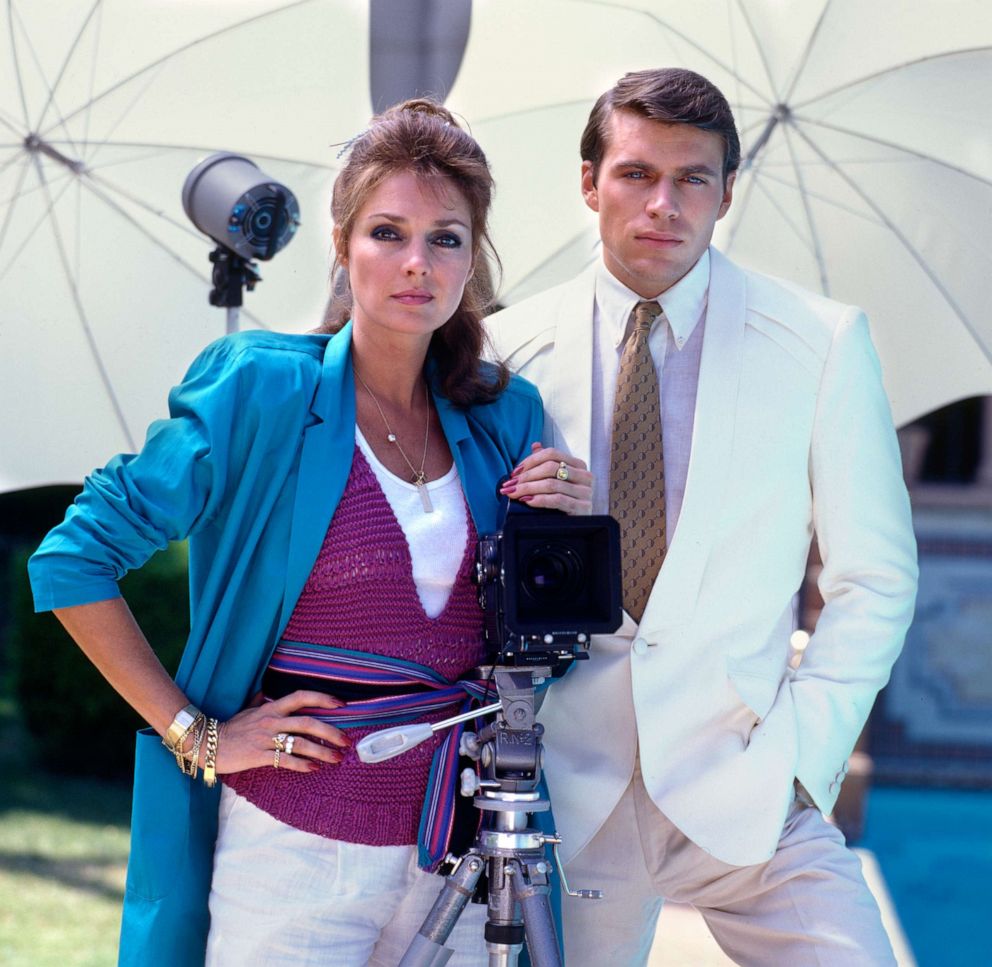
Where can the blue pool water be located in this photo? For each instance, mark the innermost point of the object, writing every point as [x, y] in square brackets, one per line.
[935, 850]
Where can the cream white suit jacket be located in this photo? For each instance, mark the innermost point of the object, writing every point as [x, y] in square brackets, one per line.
[792, 435]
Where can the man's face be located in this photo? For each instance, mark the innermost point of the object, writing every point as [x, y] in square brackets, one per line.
[659, 193]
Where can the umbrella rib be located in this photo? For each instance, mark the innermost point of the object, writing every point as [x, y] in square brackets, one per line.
[889, 70]
[10, 127]
[37, 225]
[138, 95]
[180, 50]
[97, 189]
[807, 51]
[11, 14]
[65, 64]
[29, 191]
[547, 261]
[93, 62]
[199, 148]
[678, 33]
[14, 158]
[825, 200]
[752, 174]
[9, 214]
[81, 312]
[906, 243]
[761, 50]
[814, 238]
[785, 215]
[923, 156]
[158, 212]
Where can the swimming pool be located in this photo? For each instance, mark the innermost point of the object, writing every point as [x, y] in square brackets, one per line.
[934, 847]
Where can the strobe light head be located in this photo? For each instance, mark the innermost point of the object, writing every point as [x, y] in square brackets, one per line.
[229, 198]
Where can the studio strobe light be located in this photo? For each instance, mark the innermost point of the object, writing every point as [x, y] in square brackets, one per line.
[248, 214]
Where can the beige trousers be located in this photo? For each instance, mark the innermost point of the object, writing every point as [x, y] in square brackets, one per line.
[808, 905]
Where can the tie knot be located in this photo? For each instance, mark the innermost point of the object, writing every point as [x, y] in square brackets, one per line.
[645, 314]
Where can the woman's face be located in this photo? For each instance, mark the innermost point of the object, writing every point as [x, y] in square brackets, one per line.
[409, 256]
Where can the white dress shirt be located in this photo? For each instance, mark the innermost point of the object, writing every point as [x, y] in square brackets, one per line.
[676, 346]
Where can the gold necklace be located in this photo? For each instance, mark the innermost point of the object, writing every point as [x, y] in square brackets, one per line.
[419, 479]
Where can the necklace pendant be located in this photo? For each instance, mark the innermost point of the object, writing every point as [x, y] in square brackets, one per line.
[425, 497]
[391, 437]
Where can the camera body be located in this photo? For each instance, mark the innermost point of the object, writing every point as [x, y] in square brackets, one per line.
[547, 581]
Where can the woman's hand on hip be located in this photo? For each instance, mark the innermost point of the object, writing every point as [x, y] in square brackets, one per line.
[251, 738]
[552, 480]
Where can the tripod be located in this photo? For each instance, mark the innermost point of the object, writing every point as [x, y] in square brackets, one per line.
[508, 849]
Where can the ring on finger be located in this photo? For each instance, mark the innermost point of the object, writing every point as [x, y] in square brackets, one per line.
[288, 749]
[562, 472]
[280, 741]
[278, 752]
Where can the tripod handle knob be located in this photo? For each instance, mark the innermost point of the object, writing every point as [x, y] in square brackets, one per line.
[471, 783]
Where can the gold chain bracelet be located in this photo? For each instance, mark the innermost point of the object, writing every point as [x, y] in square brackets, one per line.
[210, 757]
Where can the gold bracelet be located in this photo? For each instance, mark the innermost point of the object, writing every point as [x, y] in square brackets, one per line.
[191, 764]
[183, 757]
[210, 757]
[180, 727]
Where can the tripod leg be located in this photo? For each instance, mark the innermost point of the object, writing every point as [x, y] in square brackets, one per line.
[427, 949]
[542, 943]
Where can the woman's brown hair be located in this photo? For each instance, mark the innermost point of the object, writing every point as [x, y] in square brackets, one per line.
[422, 137]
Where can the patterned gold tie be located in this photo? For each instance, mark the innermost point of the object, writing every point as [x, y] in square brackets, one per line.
[637, 465]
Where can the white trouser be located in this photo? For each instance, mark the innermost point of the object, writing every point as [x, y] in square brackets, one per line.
[808, 905]
[281, 897]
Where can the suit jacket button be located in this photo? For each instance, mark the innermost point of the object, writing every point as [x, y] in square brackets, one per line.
[640, 646]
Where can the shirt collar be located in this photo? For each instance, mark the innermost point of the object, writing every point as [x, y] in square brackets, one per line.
[684, 303]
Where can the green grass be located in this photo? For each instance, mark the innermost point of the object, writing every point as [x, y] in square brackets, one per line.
[63, 850]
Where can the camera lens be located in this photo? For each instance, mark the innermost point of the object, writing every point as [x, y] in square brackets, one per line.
[551, 572]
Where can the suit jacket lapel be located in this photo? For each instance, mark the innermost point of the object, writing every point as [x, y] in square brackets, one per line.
[677, 587]
[325, 462]
[571, 385]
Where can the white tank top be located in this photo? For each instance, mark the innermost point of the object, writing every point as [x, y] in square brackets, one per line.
[436, 540]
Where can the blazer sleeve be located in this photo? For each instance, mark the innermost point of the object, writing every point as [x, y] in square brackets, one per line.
[862, 520]
[137, 503]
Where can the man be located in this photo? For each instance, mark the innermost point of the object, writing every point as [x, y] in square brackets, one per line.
[688, 760]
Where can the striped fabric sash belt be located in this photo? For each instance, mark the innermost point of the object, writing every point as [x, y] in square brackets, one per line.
[429, 692]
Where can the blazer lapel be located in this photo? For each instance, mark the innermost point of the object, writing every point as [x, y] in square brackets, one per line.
[456, 432]
[677, 587]
[571, 384]
[325, 462]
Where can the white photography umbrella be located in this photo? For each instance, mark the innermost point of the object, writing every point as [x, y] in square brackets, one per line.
[868, 171]
[104, 108]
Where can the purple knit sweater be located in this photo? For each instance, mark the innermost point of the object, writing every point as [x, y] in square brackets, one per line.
[360, 595]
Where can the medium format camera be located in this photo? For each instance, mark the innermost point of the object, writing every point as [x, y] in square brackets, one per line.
[547, 581]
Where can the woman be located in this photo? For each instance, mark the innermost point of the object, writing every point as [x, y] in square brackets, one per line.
[320, 481]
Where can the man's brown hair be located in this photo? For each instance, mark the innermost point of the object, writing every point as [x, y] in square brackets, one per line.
[669, 95]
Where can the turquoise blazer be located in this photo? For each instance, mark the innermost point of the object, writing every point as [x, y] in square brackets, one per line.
[250, 468]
